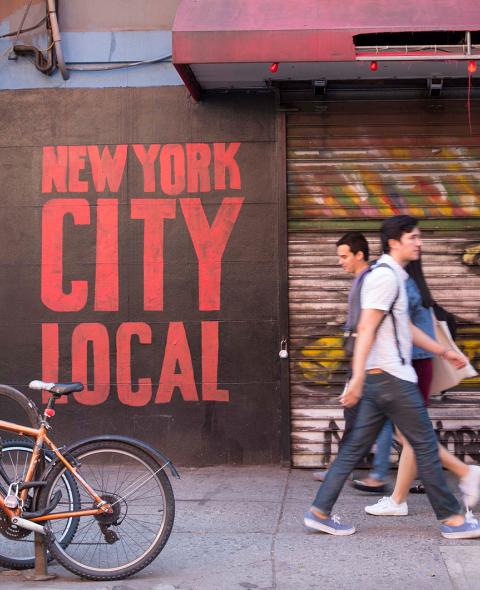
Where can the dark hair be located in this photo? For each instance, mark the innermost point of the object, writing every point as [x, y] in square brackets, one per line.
[415, 271]
[356, 242]
[395, 227]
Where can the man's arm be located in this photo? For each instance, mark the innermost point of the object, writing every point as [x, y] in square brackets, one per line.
[366, 331]
[378, 292]
[424, 341]
[367, 328]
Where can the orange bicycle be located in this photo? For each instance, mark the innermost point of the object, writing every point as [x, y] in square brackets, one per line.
[104, 504]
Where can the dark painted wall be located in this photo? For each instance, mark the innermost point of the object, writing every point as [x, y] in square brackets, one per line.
[112, 239]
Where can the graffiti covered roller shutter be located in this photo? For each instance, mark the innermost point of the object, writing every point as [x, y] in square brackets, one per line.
[349, 167]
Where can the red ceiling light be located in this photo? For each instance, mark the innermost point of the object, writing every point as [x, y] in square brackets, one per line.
[274, 67]
[472, 66]
[373, 66]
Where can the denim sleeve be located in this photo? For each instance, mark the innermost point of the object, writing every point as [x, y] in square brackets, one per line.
[421, 318]
[414, 299]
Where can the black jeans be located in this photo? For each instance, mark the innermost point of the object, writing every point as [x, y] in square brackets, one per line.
[386, 396]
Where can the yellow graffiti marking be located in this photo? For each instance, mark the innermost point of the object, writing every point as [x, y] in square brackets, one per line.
[324, 356]
[471, 256]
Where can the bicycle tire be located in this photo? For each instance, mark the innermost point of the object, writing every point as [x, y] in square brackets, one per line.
[14, 448]
[22, 402]
[114, 460]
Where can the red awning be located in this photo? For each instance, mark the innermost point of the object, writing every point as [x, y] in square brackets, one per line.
[208, 32]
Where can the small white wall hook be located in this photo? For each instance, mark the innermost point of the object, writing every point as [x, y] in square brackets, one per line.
[283, 353]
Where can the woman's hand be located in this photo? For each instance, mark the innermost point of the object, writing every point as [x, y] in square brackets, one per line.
[455, 358]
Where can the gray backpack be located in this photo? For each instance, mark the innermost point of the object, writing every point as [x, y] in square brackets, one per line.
[356, 307]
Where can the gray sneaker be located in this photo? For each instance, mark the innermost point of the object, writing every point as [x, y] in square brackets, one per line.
[330, 525]
[320, 475]
[470, 529]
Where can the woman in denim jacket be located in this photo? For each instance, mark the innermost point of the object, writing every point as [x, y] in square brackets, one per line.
[420, 304]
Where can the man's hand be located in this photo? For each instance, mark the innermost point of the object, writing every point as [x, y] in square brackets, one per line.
[456, 359]
[353, 392]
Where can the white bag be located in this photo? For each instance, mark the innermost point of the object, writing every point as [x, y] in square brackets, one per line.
[446, 376]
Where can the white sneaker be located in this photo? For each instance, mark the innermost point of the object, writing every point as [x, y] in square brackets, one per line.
[387, 507]
[470, 486]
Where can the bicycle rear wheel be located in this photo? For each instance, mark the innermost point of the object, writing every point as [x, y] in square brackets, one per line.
[114, 546]
[17, 550]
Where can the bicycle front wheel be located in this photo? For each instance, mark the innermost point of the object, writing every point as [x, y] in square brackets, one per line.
[117, 545]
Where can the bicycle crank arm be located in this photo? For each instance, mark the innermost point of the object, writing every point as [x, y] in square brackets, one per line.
[26, 524]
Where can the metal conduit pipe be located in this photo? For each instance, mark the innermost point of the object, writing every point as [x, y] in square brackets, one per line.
[52, 16]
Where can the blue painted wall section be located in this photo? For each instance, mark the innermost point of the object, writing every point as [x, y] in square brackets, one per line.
[95, 48]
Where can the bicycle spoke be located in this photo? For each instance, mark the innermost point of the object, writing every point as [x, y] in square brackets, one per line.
[143, 497]
[102, 473]
[85, 531]
[123, 547]
[138, 525]
[118, 557]
[133, 539]
[94, 476]
[82, 528]
[144, 523]
[115, 487]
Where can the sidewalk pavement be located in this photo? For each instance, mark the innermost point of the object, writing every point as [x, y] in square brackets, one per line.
[241, 528]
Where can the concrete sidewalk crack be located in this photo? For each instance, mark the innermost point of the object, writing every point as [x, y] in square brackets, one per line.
[275, 532]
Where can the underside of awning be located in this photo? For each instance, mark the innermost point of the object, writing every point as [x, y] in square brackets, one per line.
[225, 44]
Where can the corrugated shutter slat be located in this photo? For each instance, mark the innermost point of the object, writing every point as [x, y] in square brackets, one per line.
[348, 167]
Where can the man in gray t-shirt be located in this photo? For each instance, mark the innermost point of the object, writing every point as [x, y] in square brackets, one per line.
[385, 384]
[353, 254]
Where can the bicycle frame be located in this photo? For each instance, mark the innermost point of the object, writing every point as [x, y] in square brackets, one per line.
[41, 438]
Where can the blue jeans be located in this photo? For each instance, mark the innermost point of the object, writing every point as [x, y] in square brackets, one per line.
[386, 396]
[381, 461]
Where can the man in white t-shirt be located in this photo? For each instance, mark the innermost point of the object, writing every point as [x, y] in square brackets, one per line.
[386, 383]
